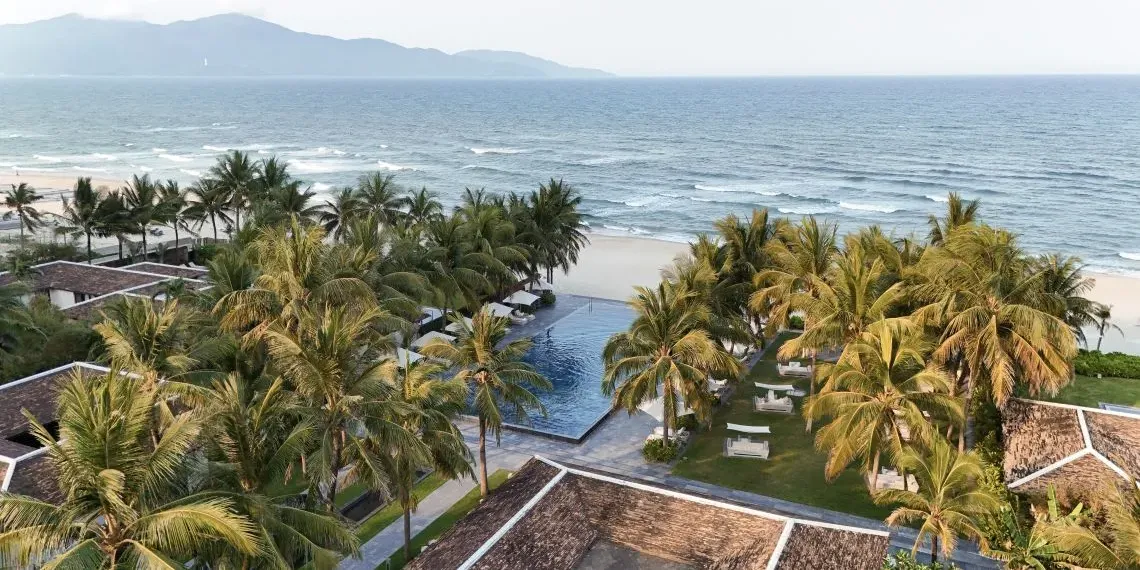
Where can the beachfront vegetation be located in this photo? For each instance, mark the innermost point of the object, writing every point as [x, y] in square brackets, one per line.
[258, 406]
[1112, 364]
[924, 336]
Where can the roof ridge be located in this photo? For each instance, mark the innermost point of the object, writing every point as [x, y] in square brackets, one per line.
[503, 530]
[1080, 408]
[777, 552]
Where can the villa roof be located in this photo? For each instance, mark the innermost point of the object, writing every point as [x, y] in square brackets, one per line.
[549, 515]
[169, 270]
[1078, 450]
[24, 469]
[95, 280]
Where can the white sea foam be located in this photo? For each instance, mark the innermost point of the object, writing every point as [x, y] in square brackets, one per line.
[101, 156]
[1128, 255]
[393, 167]
[868, 207]
[321, 186]
[19, 168]
[146, 169]
[175, 157]
[190, 172]
[156, 149]
[128, 144]
[89, 169]
[742, 189]
[937, 198]
[641, 202]
[497, 150]
[803, 210]
[44, 158]
[215, 148]
[383, 146]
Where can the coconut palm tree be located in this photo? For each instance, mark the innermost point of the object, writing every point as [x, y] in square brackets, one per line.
[157, 342]
[141, 196]
[255, 439]
[1064, 287]
[209, 199]
[339, 211]
[331, 358]
[423, 207]
[431, 404]
[948, 502]
[290, 200]
[494, 374]
[456, 270]
[986, 299]
[876, 396]
[80, 214]
[238, 178]
[666, 353]
[175, 202]
[549, 222]
[121, 500]
[1103, 315]
[379, 196]
[1122, 530]
[801, 261]
[272, 175]
[19, 201]
[14, 316]
[959, 213]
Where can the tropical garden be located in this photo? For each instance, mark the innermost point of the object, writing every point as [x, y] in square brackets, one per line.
[239, 418]
[916, 344]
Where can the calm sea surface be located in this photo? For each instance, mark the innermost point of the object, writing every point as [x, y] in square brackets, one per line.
[1056, 159]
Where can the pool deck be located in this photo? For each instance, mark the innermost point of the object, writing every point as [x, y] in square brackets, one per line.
[546, 316]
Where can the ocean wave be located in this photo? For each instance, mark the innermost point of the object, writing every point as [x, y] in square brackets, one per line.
[194, 173]
[383, 146]
[625, 229]
[868, 207]
[937, 198]
[18, 168]
[321, 186]
[1129, 255]
[215, 148]
[393, 167]
[484, 168]
[741, 189]
[45, 158]
[803, 210]
[498, 150]
[157, 149]
[175, 157]
[128, 144]
[89, 169]
[146, 169]
[642, 202]
[101, 156]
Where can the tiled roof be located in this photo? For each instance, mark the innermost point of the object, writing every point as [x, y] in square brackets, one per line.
[549, 515]
[92, 280]
[169, 270]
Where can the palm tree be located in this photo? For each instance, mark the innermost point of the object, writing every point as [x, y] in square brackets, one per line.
[290, 200]
[112, 219]
[552, 226]
[958, 213]
[174, 201]
[667, 352]
[121, 500]
[332, 359]
[1064, 287]
[256, 438]
[457, 271]
[14, 316]
[1103, 315]
[423, 207]
[1122, 527]
[20, 200]
[378, 195]
[339, 211]
[238, 178]
[272, 176]
[157, 342]
[801, 261]
[81, 213]
[494, 375]
[142, 201]
[876, 396]
[986, 299]
[432, 404]
[209, 199]
[948, 501]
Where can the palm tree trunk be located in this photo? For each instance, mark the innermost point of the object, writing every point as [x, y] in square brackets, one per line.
[407, 527]
[88, 248]
[875, 471]
[21, 230]
[144, 243]
[1099, 339]
[811, 387]
[482, 456]
[120, 238]
[933, 549]
[176, 246]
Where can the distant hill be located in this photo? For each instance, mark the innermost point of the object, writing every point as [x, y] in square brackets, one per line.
[238, 45]
[549, 68]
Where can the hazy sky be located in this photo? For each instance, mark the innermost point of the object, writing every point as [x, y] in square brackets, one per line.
[706, 37]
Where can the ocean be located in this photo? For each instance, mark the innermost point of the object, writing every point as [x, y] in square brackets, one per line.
[1056, 159]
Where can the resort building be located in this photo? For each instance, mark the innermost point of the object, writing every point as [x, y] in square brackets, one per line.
[551, 516]
[182, 271]
[67, 283]
[24, 465]
[1080, 451]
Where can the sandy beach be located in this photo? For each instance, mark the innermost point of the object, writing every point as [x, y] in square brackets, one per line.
[51, 184]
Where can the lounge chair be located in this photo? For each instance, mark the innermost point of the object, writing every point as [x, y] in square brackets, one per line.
[748, 429]
[890, 479]
[793, 369]
[788, 389]
[716, 386]
[518, 320]
[745, 447]
[679, 435]
[772, 403]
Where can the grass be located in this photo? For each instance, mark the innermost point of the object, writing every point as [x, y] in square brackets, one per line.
[1090, 392]
[794, 469]
[391, 513]
[444, 522]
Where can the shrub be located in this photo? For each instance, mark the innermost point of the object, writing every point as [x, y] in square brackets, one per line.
[902, 560]
[796, 323]
[658, 451]
[687, 421]
[548, 298]
[1112, 364]
[204, 253]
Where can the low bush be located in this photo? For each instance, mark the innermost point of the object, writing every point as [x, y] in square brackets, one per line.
[902, 560]
[204, 253]
[658, 451]
[548, 298]
[796, 323]
[687, 421]
[1112, 364]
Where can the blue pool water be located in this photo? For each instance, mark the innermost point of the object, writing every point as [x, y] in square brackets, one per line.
[569, 354]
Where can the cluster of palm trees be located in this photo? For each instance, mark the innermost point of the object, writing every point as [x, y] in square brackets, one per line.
[237, 415]
[927, 330]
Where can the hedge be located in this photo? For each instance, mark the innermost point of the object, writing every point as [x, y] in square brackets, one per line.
[1112, 364]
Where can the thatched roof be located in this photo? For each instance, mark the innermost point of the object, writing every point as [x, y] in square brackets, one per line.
[25, 469]
[568, 509]
[1078, 450]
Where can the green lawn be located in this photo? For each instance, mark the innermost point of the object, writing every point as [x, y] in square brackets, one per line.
[1089, 391]
[794, 469]
[445, 521]
[391, 513]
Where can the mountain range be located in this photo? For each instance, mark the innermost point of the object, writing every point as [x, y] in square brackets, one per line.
[238, 45]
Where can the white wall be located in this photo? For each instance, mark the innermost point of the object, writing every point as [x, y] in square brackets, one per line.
[62, 299]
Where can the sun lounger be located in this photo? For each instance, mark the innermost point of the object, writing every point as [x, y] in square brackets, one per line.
[679, 435]
[793, 369]
[890, 479]
[776, 387]
[745, 447]
[748, 429]
[773, 404]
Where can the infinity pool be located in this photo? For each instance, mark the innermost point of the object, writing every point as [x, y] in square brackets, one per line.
[569, 354]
